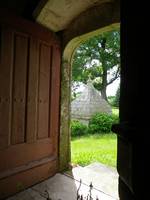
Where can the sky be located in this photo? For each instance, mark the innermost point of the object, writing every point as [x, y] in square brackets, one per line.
[112, 88]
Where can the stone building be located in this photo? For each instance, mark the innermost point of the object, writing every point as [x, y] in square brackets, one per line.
[89, 103]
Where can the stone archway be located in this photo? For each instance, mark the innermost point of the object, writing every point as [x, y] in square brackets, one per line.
[64, 148]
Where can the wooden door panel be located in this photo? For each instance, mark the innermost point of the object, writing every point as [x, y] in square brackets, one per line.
[5, 87]
[29, 104]
[21, 180]
[55, 87]
[44, 91]
[23, 153]
[19, 87]
[32, 98]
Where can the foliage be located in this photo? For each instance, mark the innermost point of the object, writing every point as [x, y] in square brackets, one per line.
[99, 58]
[114, 100]
[117, 97]
[111, 100]
[101, 123]
[94, 148]
[78, 128]
[115, 112]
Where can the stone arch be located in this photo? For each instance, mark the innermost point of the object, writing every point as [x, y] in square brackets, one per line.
[100, 19]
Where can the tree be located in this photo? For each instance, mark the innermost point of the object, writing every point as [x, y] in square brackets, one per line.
[99, 58]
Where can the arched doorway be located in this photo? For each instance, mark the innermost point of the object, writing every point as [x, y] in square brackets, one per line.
[72, 38]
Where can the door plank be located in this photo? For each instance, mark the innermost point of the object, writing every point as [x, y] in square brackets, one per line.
[55, 98]
[19, 89]
[44, 89]
[32, 98]
[6, 60]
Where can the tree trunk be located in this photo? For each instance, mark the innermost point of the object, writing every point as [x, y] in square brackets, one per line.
[104, 76]
[104, 85]
[103, 93]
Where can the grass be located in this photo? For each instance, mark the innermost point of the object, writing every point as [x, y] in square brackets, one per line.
[115, 111]
[94, 148]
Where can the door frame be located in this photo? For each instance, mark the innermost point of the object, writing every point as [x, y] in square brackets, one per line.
[66, 71]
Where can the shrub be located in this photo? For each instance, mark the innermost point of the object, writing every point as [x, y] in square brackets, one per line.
[78, 128]
[111, 100]
[115, 119]
[101, 123]
[117, 97]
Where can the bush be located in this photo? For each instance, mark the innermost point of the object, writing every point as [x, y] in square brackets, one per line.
[115, 118]
[111, 100]
[117, 97]
[78, 128]
[101, 123]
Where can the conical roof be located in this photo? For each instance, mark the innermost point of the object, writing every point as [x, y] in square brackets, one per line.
[89, 103]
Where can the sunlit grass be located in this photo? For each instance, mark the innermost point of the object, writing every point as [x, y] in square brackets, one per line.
[115, 111]
[94, 148]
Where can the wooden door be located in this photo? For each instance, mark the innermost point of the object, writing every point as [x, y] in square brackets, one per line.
[29, 104]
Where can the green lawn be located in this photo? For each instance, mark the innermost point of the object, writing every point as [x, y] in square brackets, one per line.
[101, 148]
[115, 111]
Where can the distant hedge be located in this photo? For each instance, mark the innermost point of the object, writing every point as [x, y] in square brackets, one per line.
[99, 123]
[78, 128]
[102, 122]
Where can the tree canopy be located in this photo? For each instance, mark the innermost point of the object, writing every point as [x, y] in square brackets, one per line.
[99, 58]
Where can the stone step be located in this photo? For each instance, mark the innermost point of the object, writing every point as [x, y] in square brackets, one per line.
[99, 167]
[65, 186]
[103, 178]
[59, 187]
